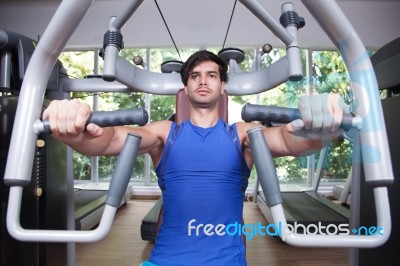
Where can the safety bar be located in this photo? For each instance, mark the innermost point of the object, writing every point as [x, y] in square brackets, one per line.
[120, 179]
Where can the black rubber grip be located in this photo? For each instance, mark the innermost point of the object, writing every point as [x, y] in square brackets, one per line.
[135, 116]
[275, 114]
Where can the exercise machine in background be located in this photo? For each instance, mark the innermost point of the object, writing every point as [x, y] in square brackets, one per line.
[44, 201]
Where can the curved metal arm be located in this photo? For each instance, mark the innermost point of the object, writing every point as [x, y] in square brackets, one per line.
[120, 179]
[268, 179]
[132, 78]
[18, 232]
[125, 76]
[21, 152]
[374, 143]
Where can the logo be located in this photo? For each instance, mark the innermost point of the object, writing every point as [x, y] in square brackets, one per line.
[252, 230]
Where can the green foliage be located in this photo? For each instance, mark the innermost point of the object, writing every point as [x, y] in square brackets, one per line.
[162, 107]
[330, 72]
[82, 166]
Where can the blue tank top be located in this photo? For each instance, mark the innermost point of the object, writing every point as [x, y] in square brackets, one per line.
[203, 176]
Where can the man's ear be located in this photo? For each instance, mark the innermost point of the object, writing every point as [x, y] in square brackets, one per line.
[223, 88]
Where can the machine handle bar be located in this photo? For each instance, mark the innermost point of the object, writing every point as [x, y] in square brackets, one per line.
[134, 116]
[275, 114]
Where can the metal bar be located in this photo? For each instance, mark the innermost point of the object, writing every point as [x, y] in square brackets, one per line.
[16, 231]
[266, 18]
[22, 146]
[126, 13]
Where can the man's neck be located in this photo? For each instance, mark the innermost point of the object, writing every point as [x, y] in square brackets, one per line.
[204, 118]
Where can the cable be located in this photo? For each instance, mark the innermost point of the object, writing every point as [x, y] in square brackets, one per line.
[229, 25]
[165, 23]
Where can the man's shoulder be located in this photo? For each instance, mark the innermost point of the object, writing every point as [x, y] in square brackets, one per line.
[162, 124]
[243, 126]
[159, 128]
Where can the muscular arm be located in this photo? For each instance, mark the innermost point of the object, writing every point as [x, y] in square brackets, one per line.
[321, 118]
[67, 122]
[109, 141]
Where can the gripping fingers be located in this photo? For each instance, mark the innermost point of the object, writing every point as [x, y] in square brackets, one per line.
[67, 117]
[78, 118]
[323, 112]
[51, 114]
[318, 112]
[338, 107]
[306, 112]
[312, 112]
[74, 117]
[328, 124]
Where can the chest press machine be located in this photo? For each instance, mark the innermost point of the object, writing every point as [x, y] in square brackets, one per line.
[120, 75]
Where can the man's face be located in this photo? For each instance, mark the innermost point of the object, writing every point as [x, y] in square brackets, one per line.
[204, 85]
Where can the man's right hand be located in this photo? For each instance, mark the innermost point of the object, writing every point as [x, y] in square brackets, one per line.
[68, 119]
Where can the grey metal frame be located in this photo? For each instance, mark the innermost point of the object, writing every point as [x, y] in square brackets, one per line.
[374, 144]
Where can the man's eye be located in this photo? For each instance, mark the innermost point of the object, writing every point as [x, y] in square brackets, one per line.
[213, 76]
[195, 76]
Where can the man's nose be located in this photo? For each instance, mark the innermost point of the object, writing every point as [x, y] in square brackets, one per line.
[203, 80]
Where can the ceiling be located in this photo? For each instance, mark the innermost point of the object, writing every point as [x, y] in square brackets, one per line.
[202, 24]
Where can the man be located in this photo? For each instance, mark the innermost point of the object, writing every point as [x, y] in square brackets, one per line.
[202, 164]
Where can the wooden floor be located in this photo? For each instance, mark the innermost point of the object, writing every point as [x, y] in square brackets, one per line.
[123, 246]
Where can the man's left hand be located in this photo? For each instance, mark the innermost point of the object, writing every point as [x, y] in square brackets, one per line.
[321, 117]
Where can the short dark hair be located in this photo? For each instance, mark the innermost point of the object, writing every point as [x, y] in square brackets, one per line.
[199, 57]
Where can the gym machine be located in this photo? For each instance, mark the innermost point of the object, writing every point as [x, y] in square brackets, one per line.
[120, 75]
[46, 193]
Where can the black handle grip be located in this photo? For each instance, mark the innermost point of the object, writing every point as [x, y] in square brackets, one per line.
[264, 113]
[135, 116]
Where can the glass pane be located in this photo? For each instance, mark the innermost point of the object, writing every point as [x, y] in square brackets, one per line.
[290, 170]
[79, 64]
[330, 75]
